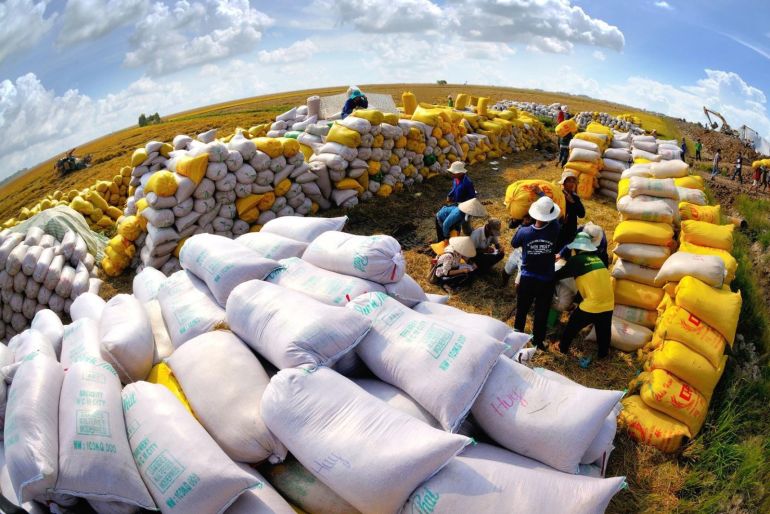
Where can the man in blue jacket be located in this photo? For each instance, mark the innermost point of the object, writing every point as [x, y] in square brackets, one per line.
[462, 186]
[356, 100]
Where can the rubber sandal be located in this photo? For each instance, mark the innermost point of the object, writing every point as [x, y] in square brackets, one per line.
[584, 362]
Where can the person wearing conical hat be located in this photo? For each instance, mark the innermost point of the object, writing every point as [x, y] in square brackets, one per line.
[462, 186]
[538, 250]
[451, 271]
[486, 239]
[457, 217]
[595, 287]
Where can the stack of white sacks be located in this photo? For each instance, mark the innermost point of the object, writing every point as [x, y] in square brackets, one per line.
[582, 118]
[297, 118]
[279, 318]
[37, 271]
[616, 159]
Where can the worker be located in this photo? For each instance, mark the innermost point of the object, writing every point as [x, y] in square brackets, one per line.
[538, 248]
[598, 238]
[462, 186]
[684, 149]
[513, 264]
[450, 271]
[486, 239]
[449, 101]
[356, 100]
[595, 287]
[457, 218]
[763, 169]
[574, 209]
[756, 179]
[738, 169]
[698, 148]
[715, 163]
[564, 148]
[560, 115]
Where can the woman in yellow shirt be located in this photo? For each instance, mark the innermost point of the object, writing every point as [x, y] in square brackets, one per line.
[595, 287]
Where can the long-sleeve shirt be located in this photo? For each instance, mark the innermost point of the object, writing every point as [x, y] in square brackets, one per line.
[351, 104]
[574, 210]
[451, 218]
[447, 261]
[462, 190]
[592, 279]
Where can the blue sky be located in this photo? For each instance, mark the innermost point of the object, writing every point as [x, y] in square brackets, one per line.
[71, 70]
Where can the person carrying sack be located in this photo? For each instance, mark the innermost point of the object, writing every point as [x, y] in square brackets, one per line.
[538, 250]
[450, 272]
[457, 218]
[595, 287]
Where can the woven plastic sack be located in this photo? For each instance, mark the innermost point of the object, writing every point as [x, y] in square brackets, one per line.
[539, 418]
[376, 258]
[485, 478]
[664, 392]
[628, 292]
[220, 362]
[326, 431]
[679, 325]
[126, 338]
[709, 269]
[188, 307]
[32, 427]
[644, 232]
[260, 499]
[87, 305]
[520, 195]
[669, 169]
[94, 454]
[441, 365]
[80, 342]
[623, 269]
[272, 246]
[707, 213]
[660, 188]
[406, 291]
[58, 220]
[266, 317]
[648, 426]
[325, 286]
[222, 264]
[703, 233]
[720, 309]
[147, 283]
[647, 208]
[649, 256]
[731, 265]
[303, 229]
[688, 365]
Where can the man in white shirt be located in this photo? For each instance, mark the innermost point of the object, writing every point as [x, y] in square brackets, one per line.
[487, 243]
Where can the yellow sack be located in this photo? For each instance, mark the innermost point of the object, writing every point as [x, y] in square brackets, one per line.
[644, 232]
[138, 157]
[594, 138]
[179, 246]
[161, 374]
[306, 151]
[635, 294]
[250, 216]
[283, 187]
[269, 145]
[623, 186]
[582, 167]
[648, 426]
[664, 392]
[97, 201]
[266, 202]
[373, 116]
[105, 222]
[688, 365]
[390, 118]
[585, 186]
[193, 168]
[707, 234]
[731, 265]
[520, 195]
[166, 149]
[720, 309]
[120, 260]
[409, 101]
[706, 213]
[430, 117]
[130, 228]
[110, 268]
[289, 146]
[349, 183]
[676, 324]
[363, 179]
[122, 246]
[462, 101]
[598, 128]
[344, 136]
[566, 127]
[162, 183]
[246, 203]
[691, 181]
[82, 206]
[482, 106]
[384, 191]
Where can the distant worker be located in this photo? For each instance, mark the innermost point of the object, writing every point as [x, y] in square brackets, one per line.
[450, 272]
[756, 179]
[564, 148]
[595, 287]
[449, 101]
[684, 149]
[698, 148]
[457, 218]
[764, 177]
[462, 186]
[738, 169]
[536, 285]
[487, 243]
[356, 100]
[654, 133]
[715, 163]
[574, 210]
[560, 115]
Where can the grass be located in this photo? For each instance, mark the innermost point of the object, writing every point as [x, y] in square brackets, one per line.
[665, 127]
[757, 214]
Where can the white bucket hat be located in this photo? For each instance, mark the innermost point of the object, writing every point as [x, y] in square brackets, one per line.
[582, 242]
[473, 207]
[458, 168]
[544, 210]
[567, 174]
[595, 232]
[463, 245]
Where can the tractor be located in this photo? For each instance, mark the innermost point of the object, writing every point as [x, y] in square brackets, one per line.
[70, 163]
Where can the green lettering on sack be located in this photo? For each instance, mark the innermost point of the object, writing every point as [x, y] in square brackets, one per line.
[436, 340]
[92, 423]
[164, 470]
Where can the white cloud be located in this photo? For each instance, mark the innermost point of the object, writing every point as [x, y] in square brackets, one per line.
[23, 23]
[384, 15]
[599, 55]
[664, 5]
[84, 20]
[193, 33]
[296, 52]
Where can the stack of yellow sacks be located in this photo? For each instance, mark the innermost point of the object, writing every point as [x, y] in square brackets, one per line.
[585, 156]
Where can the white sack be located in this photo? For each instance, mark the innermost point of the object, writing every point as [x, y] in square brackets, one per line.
[657, 187]
[303, 229]
[125, 336]
[184, 469]
[709, 269]
[406, 291]
[163, 345]
[669, 169]
[627, 270]
[625, 335]
[188, 308]
[87, 305]
[147, 283]
[224, 382]
[376, 258]
[326, 433]
[80, 343]
[260, 499]
[49, 324]
[272, 246]
[266, 317]
[648, 208]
